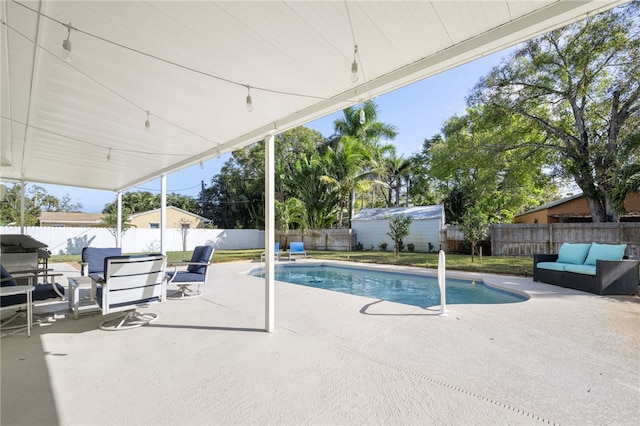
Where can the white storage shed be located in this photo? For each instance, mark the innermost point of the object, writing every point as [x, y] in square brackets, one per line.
[371, 227]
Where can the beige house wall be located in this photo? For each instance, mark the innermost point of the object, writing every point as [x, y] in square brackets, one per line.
[577, 206]
[175, 219]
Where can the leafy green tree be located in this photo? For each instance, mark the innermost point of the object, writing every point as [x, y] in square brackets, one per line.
[469, 167]
[398, 230]
[36, 200]
[474, 225]
[110, 220]
[423, 189]
[629, 173]
[579, 86]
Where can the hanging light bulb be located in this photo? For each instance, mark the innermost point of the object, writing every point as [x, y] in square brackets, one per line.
[354, 66]
[363, 118]
[249, 100]
[66, 44]
[109, 156]
[147, 123]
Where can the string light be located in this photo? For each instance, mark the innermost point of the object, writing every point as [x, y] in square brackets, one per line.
[147, 124]
[249, 100]
[363, 118]
[354, 65]
[66, 44]
[109, 156]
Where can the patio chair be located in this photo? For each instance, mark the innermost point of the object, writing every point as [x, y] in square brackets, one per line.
[131, 282]
[276, 252]
[41, 293]
[297, 249]
[196, 274]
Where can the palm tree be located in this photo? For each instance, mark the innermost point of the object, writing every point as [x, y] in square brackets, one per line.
[395, 170]
[349, 164]
[306, 183]
[371, 131]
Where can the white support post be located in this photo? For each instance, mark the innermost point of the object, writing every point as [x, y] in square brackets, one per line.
[163, 214]
[269, 233]
[22, 191]
[119, 222]
[442, 284]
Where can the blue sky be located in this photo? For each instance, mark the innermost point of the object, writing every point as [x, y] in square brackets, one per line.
[418, 112]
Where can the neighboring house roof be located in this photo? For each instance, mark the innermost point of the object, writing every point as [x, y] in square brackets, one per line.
[177, 209]
[71, 217]
[552, 204]
[416, 213]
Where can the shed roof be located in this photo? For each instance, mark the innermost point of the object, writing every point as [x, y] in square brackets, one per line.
[415, 213]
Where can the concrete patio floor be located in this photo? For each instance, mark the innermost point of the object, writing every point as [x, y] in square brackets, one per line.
[562, 357]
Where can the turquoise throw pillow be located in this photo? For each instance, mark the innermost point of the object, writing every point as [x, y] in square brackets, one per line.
[573, 253]
[605, 252]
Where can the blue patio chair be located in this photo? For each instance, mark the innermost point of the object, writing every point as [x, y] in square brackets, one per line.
[297, 249]
[276, 252]
[196, 273]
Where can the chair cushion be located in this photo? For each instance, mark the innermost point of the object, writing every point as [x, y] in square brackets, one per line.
[186, 277]
[5, 274]
[552, 266]
[201, 254]
[40, 292]
[573, 253]
[581, 269]
[605, 252]
[296, 247]
[94, 256]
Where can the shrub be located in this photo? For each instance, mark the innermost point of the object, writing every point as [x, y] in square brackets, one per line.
[383, 246]
[359, 246]
[411, 247]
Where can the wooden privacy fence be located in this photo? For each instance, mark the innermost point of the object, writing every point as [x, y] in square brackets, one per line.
[527, 239]
[319, 239]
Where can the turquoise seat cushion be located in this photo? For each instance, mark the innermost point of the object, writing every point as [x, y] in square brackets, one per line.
[605, 252]
[573, 253]
[553, 266]
[581, 269]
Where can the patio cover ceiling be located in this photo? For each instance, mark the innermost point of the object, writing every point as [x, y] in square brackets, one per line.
[189, 65]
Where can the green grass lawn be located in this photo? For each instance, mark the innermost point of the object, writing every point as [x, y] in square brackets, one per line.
[519, 266]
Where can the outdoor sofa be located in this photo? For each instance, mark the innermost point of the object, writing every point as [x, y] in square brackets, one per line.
[592, 267]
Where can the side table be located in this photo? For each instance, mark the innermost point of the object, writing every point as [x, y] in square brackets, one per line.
[75, 285]
[22, 289]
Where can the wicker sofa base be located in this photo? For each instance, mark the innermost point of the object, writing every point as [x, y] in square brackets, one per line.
[612, 276]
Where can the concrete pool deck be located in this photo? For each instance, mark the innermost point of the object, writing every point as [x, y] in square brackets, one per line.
[562, 357]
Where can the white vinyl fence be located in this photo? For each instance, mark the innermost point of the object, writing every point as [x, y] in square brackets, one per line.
[68, 240]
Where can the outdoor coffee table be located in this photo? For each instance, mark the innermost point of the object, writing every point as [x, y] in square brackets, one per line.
[75, 285]
[22, 289]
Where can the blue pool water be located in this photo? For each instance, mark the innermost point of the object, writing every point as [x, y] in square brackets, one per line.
[417, 290]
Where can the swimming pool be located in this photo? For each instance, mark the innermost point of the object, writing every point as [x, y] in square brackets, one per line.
[400, 287]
